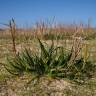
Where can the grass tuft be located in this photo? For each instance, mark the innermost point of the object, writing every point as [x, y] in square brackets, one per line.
[51, 61]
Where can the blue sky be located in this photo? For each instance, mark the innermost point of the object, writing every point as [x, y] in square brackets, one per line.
[30, 11]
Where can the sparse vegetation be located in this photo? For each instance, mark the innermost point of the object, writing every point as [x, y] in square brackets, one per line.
[62, 55]
[53, 62]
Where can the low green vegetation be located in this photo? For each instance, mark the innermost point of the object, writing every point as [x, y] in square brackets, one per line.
[52, 61]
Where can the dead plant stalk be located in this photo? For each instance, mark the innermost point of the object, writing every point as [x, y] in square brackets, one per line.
[12, 26]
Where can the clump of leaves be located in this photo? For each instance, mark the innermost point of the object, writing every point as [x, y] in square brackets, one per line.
[51, 61]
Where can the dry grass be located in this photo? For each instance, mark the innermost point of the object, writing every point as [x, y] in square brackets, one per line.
[13, 40]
